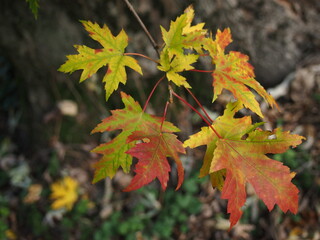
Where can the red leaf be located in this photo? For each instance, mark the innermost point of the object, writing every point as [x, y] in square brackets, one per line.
[152, 155]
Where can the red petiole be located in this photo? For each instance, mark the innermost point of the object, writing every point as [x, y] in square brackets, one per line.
[195, 110]
[141, 55]
[151, 93]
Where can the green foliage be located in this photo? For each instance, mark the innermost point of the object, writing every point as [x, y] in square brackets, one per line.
[4, 214]
[77, 220]
[151, 221]
[295, 159]
[34, 6]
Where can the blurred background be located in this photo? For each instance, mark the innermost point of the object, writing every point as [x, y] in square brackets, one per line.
[46, 118]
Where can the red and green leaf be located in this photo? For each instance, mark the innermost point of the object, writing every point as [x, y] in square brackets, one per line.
[241, 153]
[152, 154]
[132, 120]
[129, 119]
[112, 54]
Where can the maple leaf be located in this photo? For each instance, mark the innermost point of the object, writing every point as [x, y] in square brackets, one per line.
[240, 151]
[129, 119]
[64, 193]
[112, 54]
[152, 154]
[181, 35]
[234, 73]
[177, 65]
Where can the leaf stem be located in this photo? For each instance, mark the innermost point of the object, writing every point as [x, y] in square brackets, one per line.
[153, 42]
[195, 110]
[151, 93]
[199, 104]
[141, 55]
[164, 115]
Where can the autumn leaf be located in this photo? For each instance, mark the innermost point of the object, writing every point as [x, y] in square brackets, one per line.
[233, 72]
[34, 193]
[112, 54]
[175, 66]
[152, 153]
[240, 150]
[181, 36]
[129, 119]
[10, 234]
[64, 193]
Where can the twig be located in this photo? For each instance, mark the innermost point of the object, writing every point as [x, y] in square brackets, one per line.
[153, 42]
[199, 104]
[141, 55]
[197, 112]
[154, 88]
[164, 115]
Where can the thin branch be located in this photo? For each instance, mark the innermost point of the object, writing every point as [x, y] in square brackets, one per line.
[164, 115]
[150, 95]
[203, 118]
[199, 104]
[153, 42]
[141, 55]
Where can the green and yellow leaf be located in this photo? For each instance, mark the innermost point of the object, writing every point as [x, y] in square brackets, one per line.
[112, 54]
[177, 65]
[181, 36]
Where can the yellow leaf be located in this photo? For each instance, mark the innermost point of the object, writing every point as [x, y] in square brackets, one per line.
[10, 234]
[175, 66]
[64, 193]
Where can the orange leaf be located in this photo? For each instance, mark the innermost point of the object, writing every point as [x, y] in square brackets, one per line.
[223, 39]
[241, 153]
[233, 72]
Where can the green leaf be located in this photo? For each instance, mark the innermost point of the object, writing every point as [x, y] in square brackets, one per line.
[34, 6]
